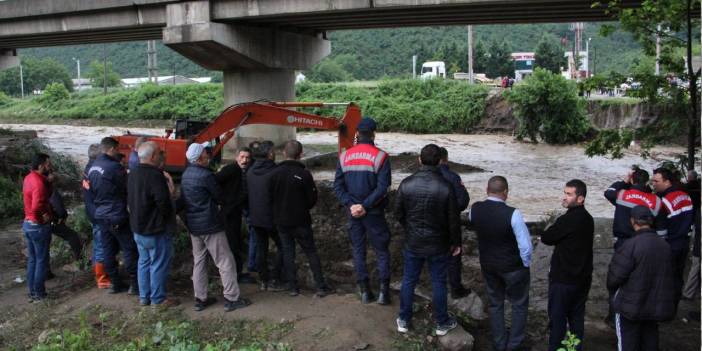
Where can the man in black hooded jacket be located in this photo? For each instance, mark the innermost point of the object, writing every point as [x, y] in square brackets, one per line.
[641, 279]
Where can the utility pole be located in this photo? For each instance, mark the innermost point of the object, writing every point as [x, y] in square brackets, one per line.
[21, 81]
[470, 54]
[658, 50]
[152, 66]
[174, 71]
[414, 66]
[78, 64]
[104, 69]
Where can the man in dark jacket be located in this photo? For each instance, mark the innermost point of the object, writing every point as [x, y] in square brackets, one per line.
[294, 194]
[244, 160]
[504, 246]
[641, 278]
[426, 207]
[361, 183]
[230, 179]
[150, 212]
[571, 265]
[692, 285]
[108, 185]
[624, 195]
[58, 223]
[674, 223]
[200, 196]
[101, 277]
[261, 215]
[462, 199]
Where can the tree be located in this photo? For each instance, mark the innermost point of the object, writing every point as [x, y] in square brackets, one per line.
[37, 74]
[672, 22]
[549, 55]
[96, 74]
[328, 71]
[480, 57]
[499, 63]
[547, 106]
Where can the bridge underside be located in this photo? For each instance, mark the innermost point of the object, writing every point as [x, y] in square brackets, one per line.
[53, 23]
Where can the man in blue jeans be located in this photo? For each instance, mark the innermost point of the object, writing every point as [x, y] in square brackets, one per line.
[504, 245]
[427, 209]
[151, 215]
[36, 191]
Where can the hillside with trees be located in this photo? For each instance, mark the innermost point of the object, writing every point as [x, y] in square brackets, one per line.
[377, 53]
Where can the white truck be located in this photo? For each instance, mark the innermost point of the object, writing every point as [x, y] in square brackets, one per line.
[433, 69]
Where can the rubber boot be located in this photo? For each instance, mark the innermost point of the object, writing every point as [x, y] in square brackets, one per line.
[365, 291]
[384, 295]
[133, 286]
[103, 281]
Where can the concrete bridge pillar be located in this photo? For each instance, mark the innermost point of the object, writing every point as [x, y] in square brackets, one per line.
[8, 59]
[258, 62]
[245, 85]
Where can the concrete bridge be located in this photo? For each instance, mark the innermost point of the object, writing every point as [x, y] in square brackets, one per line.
[256, 43]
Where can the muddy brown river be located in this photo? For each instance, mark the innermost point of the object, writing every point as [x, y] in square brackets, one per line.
[536, 173]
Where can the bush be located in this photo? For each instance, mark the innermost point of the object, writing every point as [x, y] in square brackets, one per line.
[415, 106]
[55, 92]
[10, 199]
[547, 106]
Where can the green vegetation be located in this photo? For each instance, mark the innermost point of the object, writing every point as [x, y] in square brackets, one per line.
[37, 74]
[10, 199]
[374, 53]
[570, 343]
[547, 106]
[96, 74]
[549, 55]
[415, 106]
[54, 94]
[432, 106]
[102, 328]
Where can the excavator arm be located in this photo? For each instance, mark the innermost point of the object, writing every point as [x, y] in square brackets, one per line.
[277, 113]
[225, 125]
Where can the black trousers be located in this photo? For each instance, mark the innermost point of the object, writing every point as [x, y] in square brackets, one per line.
[303, 236]
[232, 228]
[566, 312]
[262, 237]
[119, 238]
[66, 233]
[454, 271]
[679, 260]
[636, 335]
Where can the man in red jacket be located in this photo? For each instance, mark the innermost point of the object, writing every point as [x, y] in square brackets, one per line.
[36, 192]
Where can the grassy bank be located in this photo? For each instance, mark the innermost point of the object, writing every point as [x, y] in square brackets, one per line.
[435, 106]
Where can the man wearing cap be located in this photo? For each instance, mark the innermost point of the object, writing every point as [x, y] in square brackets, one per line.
[200, 196]
[641, 279]
[361, 183]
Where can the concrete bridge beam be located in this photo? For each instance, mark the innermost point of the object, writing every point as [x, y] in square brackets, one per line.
[258, 63]
[8, 59]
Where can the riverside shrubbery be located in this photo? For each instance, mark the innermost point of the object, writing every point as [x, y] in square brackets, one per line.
[415, 106]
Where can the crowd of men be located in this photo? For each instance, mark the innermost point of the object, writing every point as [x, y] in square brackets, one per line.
[134, 211]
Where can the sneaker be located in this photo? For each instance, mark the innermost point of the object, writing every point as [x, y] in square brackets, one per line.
[201, 305]
[294, 292]
[402, 325]
[117, 288]
[167, 303]
[133, 290]
[459, 292]
[443, 329]
[235, 305]
[144, 302]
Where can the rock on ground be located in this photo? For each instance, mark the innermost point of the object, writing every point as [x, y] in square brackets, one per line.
[456, 340]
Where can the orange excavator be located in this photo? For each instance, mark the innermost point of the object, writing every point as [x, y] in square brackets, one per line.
[223, 128]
